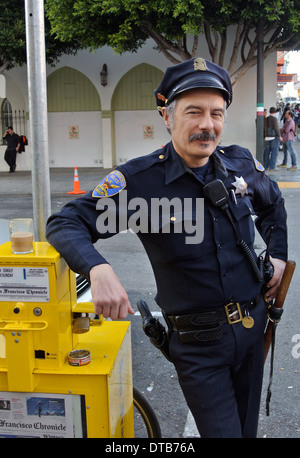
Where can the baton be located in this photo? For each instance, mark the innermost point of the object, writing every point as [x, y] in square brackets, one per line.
[277, 308]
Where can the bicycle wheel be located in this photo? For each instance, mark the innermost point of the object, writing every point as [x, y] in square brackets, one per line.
[144, 416]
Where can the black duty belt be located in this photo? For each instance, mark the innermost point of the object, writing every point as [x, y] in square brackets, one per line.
[207, 326]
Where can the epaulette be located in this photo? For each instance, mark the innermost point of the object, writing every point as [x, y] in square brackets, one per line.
[141, 163]
[234, 151]
[238, 152]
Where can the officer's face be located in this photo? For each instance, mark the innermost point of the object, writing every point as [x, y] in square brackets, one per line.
[197, 124]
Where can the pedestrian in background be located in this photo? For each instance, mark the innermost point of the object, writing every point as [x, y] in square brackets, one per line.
[272, 138]
[288, 138]
[13, 145]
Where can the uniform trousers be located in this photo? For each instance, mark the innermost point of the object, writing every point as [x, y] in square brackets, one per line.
[222, 379]
[10, 157]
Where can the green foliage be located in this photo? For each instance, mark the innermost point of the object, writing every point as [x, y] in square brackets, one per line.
[126, 24]
[13, 37]
[175, 26]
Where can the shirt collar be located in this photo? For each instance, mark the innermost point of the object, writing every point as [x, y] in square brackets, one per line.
[176, 166]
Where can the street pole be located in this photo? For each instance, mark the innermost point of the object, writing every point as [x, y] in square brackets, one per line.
[38, 118]
[260, 95]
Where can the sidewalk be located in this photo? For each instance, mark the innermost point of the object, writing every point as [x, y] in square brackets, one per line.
[284, 177]
[62, 179]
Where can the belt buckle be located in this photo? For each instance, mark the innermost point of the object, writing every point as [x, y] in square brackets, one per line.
[233, 312]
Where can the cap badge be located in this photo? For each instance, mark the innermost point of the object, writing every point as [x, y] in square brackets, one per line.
[112, 184]
[161, 97]
[200, 64]
[241, 186]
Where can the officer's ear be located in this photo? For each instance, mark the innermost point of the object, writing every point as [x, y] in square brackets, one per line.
[166, 117]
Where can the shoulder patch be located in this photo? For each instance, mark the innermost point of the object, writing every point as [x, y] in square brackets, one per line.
[112, 184]
[258, 165]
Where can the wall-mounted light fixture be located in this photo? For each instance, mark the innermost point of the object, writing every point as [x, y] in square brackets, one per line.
[103, 75]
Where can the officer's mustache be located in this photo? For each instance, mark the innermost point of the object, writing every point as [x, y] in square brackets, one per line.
[204, 136]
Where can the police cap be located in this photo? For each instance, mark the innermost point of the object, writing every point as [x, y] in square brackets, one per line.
[192, 74]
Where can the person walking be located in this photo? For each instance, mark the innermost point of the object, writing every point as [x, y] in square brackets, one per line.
[13, 145]
[271, 140]
[288, 138]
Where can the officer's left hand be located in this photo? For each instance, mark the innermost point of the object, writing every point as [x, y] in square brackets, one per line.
[109, 297]
[273, 285]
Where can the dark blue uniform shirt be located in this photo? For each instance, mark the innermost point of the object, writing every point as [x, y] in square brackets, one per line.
[190, 277]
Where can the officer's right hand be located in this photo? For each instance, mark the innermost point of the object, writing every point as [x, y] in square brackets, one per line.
[109, 297]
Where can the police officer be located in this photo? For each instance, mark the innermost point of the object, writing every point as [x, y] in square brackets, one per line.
[208, 285]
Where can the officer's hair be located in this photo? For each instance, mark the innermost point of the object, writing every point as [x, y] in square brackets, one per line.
[170, 111]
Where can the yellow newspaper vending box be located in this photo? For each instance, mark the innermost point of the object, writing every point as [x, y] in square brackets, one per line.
[55, 382]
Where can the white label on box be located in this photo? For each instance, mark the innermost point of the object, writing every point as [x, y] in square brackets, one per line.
[27, 284]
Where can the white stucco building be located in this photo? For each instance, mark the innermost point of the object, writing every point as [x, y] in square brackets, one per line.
[91, 125]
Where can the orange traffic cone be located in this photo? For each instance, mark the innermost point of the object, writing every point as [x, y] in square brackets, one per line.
[76, 188]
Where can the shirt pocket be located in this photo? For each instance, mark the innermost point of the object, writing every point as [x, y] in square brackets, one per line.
[243, 214]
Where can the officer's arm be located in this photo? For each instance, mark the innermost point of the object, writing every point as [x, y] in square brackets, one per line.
[109, 297]
[269, 206]
[73, 232]
[273, 285]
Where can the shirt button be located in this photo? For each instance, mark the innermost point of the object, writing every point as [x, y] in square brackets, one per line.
[161, 156]
[173, 218]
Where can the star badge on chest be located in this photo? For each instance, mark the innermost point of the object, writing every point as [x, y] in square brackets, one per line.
[241, 186]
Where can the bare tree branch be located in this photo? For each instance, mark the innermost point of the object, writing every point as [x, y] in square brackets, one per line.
[246, 41]
[184, 54]
[4, 66]
[223, 47]
[195, 46]
[240, 32]
[164, 45]
[208, 39]
[216, 47]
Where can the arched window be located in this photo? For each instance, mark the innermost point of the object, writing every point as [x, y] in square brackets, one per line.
[7, 115]
[16, 119]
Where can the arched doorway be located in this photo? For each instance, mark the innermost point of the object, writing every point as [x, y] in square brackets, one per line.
[74, 120]
[137, 127]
